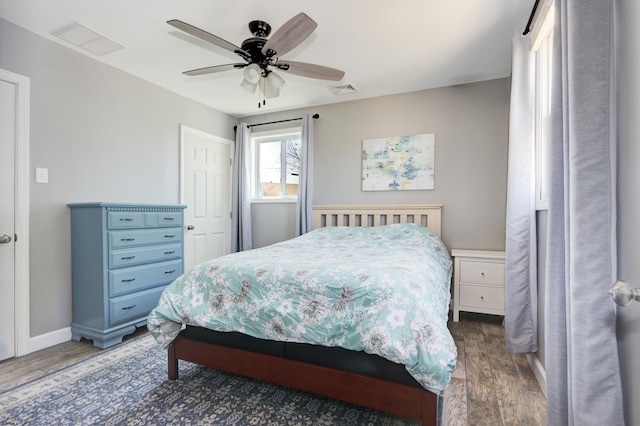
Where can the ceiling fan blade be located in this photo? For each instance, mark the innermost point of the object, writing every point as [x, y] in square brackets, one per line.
[208, 37]
[311, 70]
[289, 35]
[214, 69]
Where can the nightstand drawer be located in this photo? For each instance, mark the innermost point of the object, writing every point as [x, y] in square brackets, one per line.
[157, 253]
[481, 272]
[134, 306]
[478, 296]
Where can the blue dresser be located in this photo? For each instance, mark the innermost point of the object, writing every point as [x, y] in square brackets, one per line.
[123, 257]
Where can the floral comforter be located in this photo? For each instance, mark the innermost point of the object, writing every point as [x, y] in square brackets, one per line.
[382, 290]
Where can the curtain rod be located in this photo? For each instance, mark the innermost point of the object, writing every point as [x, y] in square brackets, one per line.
[527, 29]
[316, 116]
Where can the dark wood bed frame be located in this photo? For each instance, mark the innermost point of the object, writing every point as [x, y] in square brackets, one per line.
[394, 398]
[379, 394]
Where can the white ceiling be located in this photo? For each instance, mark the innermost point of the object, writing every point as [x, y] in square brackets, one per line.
[384, 46]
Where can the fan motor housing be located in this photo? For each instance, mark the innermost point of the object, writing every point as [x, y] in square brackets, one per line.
[253, 46]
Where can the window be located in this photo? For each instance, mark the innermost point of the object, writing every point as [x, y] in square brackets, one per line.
[276, 164]
[542, 45]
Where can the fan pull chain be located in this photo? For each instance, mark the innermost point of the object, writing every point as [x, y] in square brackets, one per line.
[264, 101]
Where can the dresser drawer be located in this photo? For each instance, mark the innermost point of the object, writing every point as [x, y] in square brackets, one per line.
[134, 306]
[481, 272]
[161, 219]
[136, 256]
[119, 220]
[124, 220]
[478, 296]
[127, 280]
[137, 237]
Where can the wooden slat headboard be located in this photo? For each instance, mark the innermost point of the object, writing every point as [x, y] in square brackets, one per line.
[375, 215]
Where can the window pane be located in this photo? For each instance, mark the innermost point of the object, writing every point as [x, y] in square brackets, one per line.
[276, 164]
[294, 152]
[270, 169]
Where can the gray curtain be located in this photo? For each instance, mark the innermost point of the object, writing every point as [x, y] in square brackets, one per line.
[520, 262]
[304, 206]
[583, 375]
[241, 191]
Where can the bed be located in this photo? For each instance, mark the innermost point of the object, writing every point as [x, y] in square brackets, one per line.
[380, 341]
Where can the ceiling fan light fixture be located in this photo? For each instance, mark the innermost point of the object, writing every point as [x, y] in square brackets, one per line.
[267, 91]
[274, 81]
[248, 86]
[252, 73]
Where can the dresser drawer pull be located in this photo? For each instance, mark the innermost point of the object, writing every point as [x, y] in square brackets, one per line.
[128, 257]
[169, 252]
[170, 272]
[127, 239]
[126, 219]
[128, 280]
[170, 236]
[169, 218]
[128, 307]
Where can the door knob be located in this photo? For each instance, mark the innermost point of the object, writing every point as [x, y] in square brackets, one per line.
[622, 293]
[190, 227]
[4, 239]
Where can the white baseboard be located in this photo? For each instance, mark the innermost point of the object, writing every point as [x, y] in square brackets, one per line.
[538, 371]
[46, 340]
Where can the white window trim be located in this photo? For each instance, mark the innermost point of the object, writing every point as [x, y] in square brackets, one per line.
[264, 136]
[274, 200]
[541, 37]
[542, 24]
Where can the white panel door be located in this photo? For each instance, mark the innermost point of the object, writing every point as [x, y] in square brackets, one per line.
[207, 177]
[7, 223]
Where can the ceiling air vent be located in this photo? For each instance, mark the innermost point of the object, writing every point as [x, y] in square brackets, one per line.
[87, 39]
[343, 89]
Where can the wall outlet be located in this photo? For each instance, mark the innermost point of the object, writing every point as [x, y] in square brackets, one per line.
[42, 175]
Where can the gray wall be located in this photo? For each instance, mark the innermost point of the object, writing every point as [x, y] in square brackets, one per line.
[470, 123]
[272, 222]
[104, 136]
[627, 16]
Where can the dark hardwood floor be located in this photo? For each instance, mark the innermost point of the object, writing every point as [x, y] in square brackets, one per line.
[489, 386]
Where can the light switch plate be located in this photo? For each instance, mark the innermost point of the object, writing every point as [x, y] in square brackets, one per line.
[42, 175]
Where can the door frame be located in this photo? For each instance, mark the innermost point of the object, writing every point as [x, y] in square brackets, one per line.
[21, 206]
[184, 130]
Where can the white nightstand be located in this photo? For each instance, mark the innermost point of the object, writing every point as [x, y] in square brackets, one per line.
[478, 282]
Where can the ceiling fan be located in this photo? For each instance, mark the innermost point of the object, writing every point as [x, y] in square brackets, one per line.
[262, 55]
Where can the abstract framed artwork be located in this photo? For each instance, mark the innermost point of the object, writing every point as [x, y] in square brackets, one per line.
[400, 163]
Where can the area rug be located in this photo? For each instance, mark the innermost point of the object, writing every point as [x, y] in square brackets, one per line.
[128, 385]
